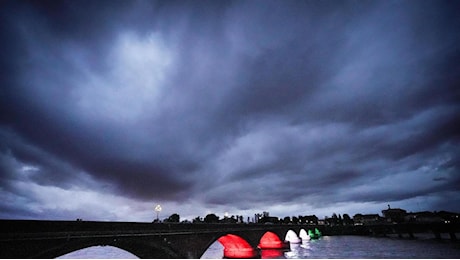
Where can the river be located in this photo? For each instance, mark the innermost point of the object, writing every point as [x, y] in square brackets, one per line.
[325, 247]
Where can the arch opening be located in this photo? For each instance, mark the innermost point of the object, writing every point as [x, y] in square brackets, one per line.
[271, 240]
[214, 251]
[139, 249]
[236, 247]
[292, 237]
[98, 252]
[304, 235]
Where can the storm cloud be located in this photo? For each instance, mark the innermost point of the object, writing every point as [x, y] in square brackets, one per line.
[293, 107]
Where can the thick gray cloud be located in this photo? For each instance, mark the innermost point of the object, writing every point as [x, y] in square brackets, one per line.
[108, 108]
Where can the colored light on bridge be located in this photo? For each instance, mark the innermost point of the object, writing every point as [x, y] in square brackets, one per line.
[314, 234]
[304, 235]
[271, 253]
[236, 247]
[292, 237]
[271, 240]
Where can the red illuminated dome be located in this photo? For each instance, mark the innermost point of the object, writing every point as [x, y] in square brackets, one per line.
[271, 241]
[236, 247]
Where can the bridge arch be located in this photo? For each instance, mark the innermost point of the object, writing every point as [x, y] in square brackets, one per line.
[139, 248]
[50, 239]
[291, 236]
[304, 235]
[213, 251]
[236, 247]
[99, 252]
[270, 240]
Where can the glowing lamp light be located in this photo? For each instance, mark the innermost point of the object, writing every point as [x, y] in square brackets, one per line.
[236, 247]
[158, 210]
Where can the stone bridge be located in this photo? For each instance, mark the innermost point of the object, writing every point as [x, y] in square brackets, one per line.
[50, 239]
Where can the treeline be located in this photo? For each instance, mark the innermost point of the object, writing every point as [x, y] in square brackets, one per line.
[210, 218]
[390, 216]
[259, 218]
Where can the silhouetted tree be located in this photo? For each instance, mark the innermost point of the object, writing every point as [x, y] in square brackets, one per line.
[231, 219]
[347, 220]
[295, 220]
[333, 221]
[211, 218]
[197, 220]
[174, 218]
[287, 220]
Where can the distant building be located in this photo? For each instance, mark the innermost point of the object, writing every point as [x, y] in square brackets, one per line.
[423, 217]
[331, 221]
[449, 217]
[394, 215]
[313, 220]
[274, 220]
[265, 218]
[366, 219]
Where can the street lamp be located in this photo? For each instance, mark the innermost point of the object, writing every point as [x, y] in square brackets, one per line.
[158, 210]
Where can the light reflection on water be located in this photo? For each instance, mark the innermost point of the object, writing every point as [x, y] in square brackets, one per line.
[99, 252]
[325, 247]
[373, 247]
[215, 251]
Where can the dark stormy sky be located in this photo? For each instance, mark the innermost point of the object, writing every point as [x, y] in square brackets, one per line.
[108, 108]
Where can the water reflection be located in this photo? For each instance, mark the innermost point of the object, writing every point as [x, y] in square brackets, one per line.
[354, 247]
[214, 251]
[97, 252]
[272, 253]
[306, 245]
[294, 252]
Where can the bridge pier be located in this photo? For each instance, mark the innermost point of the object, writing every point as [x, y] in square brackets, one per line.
[411, 234]
[437, 234]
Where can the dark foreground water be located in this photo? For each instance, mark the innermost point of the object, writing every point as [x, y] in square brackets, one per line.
[325, 247]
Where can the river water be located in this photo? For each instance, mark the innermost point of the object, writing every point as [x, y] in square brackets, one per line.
[325, 247]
